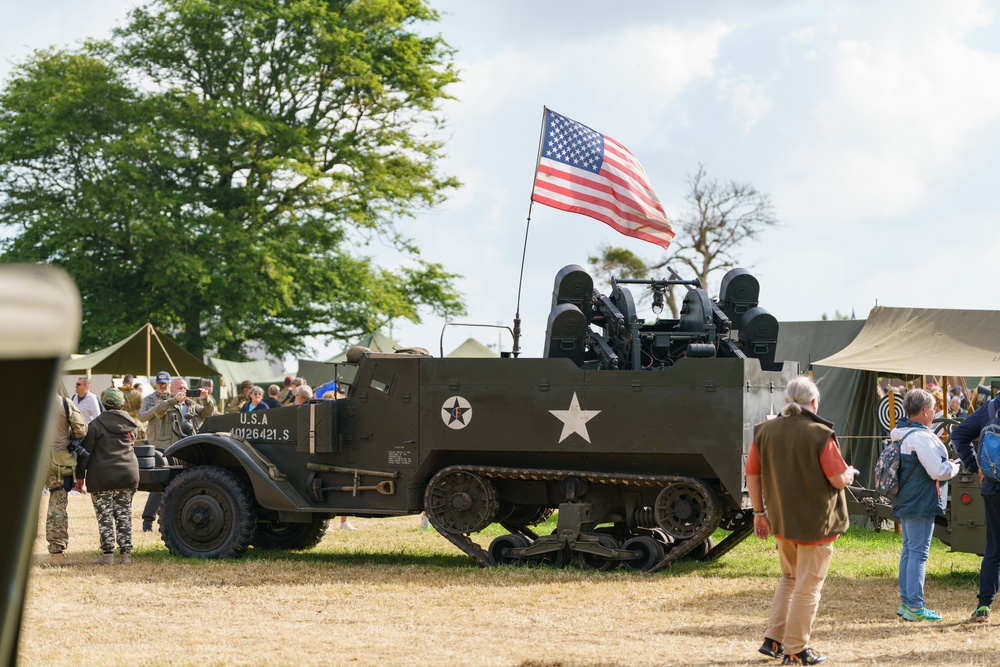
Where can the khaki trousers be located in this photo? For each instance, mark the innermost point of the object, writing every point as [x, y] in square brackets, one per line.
[803, 570]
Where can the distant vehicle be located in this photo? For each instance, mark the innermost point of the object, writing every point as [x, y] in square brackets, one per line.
[635, 432]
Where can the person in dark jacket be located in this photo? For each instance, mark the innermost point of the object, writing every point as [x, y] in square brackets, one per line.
[923, 466]
[112, 476]
[961, 439]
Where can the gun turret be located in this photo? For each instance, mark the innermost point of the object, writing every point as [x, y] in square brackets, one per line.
[703, 329]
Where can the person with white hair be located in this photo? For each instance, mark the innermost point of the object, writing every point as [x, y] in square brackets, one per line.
[303, 393]
[795, 479]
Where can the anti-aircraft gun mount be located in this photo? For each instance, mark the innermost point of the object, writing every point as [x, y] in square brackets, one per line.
[635, 432]
[626, 342]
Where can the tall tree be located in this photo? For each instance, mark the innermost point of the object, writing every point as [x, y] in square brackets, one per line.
[219, 167]
[718, 218]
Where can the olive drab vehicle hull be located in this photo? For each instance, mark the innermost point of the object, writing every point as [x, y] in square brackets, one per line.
[635, 433]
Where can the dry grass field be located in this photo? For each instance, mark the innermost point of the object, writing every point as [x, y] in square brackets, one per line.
[392, 594]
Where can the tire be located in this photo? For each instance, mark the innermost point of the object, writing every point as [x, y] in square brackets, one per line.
[289, 536]
[207, 512]
[144, 450]
[146, 462]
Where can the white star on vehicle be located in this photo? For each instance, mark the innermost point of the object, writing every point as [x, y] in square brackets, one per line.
[575, 420]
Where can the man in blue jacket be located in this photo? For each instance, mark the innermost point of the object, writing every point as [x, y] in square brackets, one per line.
[961, 439]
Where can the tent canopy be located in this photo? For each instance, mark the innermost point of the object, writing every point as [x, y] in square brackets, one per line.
[235, 372]
[376, 342]
[924, 341]
[847, 396]
[472, 349]
[131, 354]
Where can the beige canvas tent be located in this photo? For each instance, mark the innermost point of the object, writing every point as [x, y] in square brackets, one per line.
[924, 341]
[144, 352]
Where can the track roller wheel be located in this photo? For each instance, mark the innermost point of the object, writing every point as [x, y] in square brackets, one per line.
[651, 550]
[600, 563]
[500, 545]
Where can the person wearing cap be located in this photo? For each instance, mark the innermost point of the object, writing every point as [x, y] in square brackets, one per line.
[112, 476]
[168, 413]
[240, 400]
[287, 395]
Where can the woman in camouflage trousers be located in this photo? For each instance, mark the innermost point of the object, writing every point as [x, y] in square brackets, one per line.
[112, 476]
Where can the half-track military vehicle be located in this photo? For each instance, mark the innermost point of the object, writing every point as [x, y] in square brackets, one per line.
[636, 432]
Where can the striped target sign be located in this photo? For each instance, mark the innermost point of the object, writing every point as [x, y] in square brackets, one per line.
[883, 410]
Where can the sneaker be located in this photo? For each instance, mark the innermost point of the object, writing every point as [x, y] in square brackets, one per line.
[902, 611]
[922, 614]
[346, 525]
[981, 614]
[806, 656]
[771, 648]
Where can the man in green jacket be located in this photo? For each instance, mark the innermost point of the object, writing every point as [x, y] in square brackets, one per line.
[168, 413]
[795, 480]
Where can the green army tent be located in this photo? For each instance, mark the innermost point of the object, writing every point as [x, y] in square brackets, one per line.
[472, 348]
[320, 372]
[847, 396]
[146, 351]
[259, 372]
[376, 342]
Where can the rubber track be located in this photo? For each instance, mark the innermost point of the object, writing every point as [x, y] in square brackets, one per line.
[466, 544]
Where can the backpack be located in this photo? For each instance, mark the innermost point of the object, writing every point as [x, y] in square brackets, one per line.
[887, 467]
[988, 456]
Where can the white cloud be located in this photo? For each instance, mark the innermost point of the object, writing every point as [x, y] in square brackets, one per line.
[900, 102]
[749, 98]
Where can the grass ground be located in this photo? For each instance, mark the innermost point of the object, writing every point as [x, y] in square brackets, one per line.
[392, 594]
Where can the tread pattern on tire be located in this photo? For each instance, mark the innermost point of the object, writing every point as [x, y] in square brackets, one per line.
[244, 514]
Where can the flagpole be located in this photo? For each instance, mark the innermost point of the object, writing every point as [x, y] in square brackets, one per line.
[516, 350]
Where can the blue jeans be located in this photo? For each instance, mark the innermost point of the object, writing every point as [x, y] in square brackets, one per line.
[989, 572]
[913, 560]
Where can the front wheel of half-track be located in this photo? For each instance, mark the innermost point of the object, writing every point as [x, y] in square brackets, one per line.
[289, 536]
[207, 512]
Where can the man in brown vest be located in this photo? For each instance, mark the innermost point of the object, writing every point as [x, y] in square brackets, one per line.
[795, 479]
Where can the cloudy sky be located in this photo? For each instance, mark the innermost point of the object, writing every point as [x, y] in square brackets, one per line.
[874, 127]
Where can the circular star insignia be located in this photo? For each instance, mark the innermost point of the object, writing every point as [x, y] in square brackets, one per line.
[456, 412]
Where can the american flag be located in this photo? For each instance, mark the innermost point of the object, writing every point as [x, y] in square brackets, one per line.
[583, 171]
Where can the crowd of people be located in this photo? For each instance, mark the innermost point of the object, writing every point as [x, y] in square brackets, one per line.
[805, 518]
[92, 451]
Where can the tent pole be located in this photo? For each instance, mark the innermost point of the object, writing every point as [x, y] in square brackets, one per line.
[148, 376]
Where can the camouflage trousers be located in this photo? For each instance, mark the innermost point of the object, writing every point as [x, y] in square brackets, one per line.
[114, 513]
[57, 521]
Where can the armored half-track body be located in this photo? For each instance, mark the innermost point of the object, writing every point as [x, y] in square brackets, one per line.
[635, 432]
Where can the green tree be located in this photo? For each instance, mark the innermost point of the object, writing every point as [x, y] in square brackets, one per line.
[717, 219]
[220, 166]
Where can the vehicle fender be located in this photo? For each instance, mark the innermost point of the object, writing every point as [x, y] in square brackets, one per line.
[271, 488]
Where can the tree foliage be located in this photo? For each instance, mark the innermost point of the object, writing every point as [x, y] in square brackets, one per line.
[718, 219]
[219, 167]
